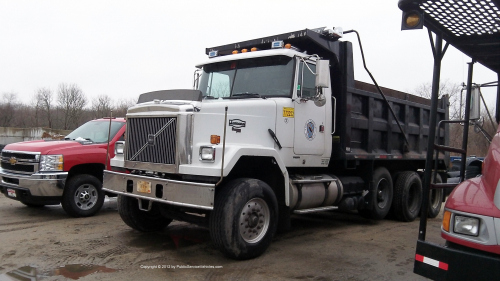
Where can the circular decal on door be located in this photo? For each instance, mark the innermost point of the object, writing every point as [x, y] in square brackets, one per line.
[310, 130]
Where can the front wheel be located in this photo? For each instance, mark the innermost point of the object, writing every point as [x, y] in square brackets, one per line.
[244, 219]
[83, 196]
[144, 221]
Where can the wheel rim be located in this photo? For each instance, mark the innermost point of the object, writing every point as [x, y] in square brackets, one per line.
[86, 196]
[382, 193]
[254, 220]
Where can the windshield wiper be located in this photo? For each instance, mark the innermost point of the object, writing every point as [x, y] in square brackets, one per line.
[244, 95]
[209, 97]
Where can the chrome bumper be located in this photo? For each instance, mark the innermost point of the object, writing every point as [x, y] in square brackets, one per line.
[178, 193]
[46, 184]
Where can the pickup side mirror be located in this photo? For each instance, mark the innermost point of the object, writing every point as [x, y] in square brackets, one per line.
[322, 73]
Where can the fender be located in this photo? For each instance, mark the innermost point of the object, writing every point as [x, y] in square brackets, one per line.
[232, 155]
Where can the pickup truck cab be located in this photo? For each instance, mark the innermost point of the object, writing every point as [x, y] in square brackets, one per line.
[67, 172]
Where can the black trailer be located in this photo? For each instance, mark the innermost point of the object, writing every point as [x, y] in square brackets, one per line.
[473, 27]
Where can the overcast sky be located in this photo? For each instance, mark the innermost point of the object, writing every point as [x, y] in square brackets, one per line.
[125, 48]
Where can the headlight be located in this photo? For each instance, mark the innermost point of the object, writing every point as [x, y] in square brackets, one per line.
[207, 153]
[49, 163]
[466, 225]
[119, 146]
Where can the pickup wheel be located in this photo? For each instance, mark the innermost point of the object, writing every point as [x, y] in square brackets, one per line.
[435, 200]
[382, 199]
[407, 196]
[83, 196]
[244, 218]
[144, 221]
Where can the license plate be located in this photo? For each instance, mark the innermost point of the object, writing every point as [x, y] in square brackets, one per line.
[11, 192]
[144, 186]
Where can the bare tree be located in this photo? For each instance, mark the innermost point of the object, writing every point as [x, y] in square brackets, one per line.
[121, 107]
[446, 87]
[7, 109]
[101, 106]
[71, 101]
[44, 100]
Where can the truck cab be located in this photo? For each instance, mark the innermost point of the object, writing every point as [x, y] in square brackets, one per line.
[472, 211]
[67, 172]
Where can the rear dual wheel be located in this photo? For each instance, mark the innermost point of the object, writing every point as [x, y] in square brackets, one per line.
[407, 196]
[435, 199]
[382, 198]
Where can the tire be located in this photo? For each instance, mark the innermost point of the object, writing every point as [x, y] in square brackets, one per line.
[435, 199]
[472, 171]
[382, 199]
[244, 219]
[33, 205]
[83, 196]
[144, 221]
[407, 196]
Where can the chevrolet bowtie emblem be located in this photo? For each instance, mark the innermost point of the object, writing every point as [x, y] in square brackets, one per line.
[13, 160]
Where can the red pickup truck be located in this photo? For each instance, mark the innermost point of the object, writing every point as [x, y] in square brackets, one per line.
[69, 171]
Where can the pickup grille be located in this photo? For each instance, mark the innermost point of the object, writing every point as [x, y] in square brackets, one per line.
[151, 140]
[19, 162]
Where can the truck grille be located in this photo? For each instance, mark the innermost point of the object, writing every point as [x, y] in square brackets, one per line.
[151, 139]
[19, 162]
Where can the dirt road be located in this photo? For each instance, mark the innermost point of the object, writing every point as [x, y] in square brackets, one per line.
[46, 244]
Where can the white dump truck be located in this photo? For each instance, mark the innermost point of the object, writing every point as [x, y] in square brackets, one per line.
[274, 126]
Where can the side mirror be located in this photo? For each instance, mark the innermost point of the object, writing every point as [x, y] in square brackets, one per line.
[475, 104]
[322, 73]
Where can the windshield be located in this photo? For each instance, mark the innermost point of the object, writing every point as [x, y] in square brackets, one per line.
[95, 131]
[257, 77]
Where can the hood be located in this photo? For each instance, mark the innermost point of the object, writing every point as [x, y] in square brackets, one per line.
[44, 147]
[472, 196]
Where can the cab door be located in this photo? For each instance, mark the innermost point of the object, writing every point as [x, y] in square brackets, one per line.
[309, 136]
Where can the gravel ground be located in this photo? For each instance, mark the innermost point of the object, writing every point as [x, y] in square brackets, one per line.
[46, 244]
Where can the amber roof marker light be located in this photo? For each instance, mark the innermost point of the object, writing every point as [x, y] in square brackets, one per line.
[412, 20]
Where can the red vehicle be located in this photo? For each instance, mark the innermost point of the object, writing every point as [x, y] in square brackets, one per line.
[67, 172]
[471, 221]
[472, 212]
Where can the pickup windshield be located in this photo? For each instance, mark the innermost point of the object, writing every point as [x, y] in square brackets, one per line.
[95, 131]
[249, 78]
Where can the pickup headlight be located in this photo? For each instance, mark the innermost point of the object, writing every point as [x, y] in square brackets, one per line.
[207, 153]
[119, 146]
[50, 163]
[466, 225]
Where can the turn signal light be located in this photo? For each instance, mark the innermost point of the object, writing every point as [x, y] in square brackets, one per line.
[288, 46]
[214, 139]
[446, 221]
